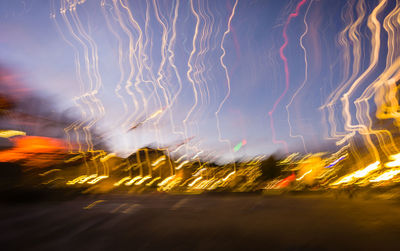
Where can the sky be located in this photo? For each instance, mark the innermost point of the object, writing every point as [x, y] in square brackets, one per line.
[208, 74]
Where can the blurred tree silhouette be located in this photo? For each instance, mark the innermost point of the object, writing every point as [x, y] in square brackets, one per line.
[22, 109]
[270, 168]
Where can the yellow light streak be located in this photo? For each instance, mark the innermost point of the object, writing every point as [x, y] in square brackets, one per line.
[165, 181]
[154, 180]
[181, 165]
[215, 185]
[97, 179]
[287, 160]
[386, 176]
[304, 175]
[93, 204]
[228, 176]
[48, 172]
[122, 181]
[352, 31]
[74, 158]
[155, 114]
[129, 183]
[374, 26]
[142, 180]
[194, 182]
[205, 184]
[395, 162]
[83, 180]
[50, 181]
[74, 181]
[158, 161]
[199, 171]
[358, 174]
[107, 157]
[171, 184]
[11, 133]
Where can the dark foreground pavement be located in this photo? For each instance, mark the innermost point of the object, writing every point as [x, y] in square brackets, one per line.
[167, 222]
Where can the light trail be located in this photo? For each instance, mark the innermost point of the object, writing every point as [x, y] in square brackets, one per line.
[97, 179]
[305, 78]
[190, 70]
[195, 181]
[166, 180]
[133, 180]
[153, 181]
[121, 181]
[228, 80]
[374, 26]
[11, 133]
[287, 75]
[93, 204]
[134, 63]
[228, 176]
[352, 30]
[181, 165]
[118, 87]
[301, 177]
[171, 60]
[386, 176]
[142, 180]
[358, 174]
[159, 160]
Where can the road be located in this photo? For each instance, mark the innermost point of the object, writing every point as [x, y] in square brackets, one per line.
[199, 222]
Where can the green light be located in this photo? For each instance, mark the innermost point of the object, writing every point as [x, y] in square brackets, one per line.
[237, 147]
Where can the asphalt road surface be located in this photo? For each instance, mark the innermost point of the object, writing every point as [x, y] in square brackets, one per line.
[178, 222]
